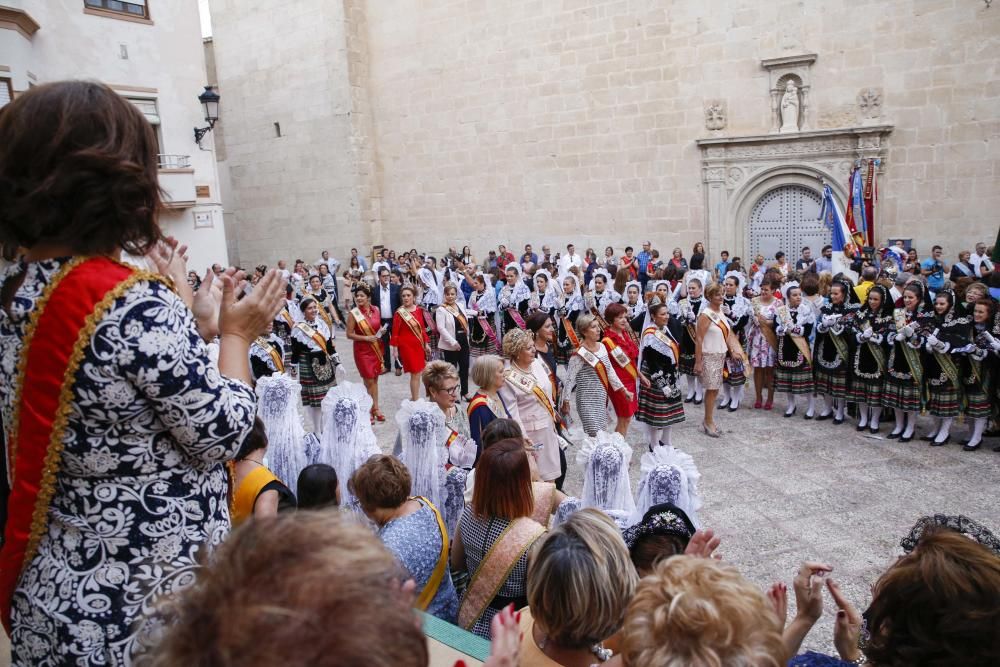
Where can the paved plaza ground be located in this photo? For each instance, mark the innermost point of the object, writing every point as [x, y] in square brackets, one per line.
[780, 491]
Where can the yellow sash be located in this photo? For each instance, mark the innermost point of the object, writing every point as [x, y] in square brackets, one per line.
[321, 307]
[732, 342]
[595, 362]
[526, 383]
[620, 357]
[574, 340]
[246, 493]
[665, 339]
[362, 323]
[800, 342]
[411, 322]
[766, 326]
[287, 317]
[312, 333]
[462, 321]
[275, 356]
[430, 589]
[495, 567]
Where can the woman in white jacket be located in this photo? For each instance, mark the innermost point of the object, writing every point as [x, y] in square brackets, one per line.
[453, 335]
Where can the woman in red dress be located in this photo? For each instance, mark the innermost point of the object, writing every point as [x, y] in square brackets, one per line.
[624, 355]
[363, 327]
[409, 338]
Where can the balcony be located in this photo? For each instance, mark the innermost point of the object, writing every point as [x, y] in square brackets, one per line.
[177, 181]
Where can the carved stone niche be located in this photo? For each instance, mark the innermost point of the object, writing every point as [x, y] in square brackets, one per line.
[715, 115]
[789, 84]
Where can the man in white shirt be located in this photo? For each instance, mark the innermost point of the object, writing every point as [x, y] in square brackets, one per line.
[386, 298]
[980, 261]
[283, 269]
[569, 260]
[382, 263]
[331, 263]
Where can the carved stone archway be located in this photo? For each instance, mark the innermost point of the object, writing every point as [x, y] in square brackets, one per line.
[738, 171]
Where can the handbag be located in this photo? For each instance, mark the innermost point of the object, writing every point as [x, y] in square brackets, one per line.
[323, 369]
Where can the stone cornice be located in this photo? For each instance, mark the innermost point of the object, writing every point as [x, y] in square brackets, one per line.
[18, 19]
[846, 141]
[793, 137]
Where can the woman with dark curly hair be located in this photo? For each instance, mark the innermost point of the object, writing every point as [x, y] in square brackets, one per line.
[118, 466]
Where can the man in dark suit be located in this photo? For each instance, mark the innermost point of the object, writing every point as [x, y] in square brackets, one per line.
[386, 299]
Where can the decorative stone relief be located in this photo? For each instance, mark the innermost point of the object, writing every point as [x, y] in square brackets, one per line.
[734, 177]
[870, 102]
[789, 107]
[715, 115]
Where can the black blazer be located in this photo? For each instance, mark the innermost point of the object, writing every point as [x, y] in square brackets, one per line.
[395, 301]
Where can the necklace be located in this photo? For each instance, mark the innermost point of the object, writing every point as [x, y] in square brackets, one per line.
[260, 463]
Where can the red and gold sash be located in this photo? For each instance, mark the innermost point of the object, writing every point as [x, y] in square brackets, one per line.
[515, 315]
[619, 356]
[601, 322]
[479, 400]
[363, 325]
[732, 342]
[312, 333]
[495, 567]
[61, 326]
[279, 364]
[595, 362]
[287, 317]
[574, 340]
[460, 316]
[411, 321]
[525, 383]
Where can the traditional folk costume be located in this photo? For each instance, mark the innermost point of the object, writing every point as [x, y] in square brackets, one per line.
[868, 360]
[905, 372]
[289, 447]
[635, 305]
[832, 354]
[687, 310]
[545, 300]
[624, 354]
[794, 373]
[660, 404]
[983, 365]
[409, 336]
[348, 439]
[316, 357]
[606, 482]
[322, 299]
[513, 303]
[368, 356]
[431, 296]
[284, 322]
[738, 311]
[107, 437]
[267, 356]
[668, 476]
[946, 339]
[571, 305]
[530, 398]
[258, 481]
[592, 378]
[601, 296]
[482, 337]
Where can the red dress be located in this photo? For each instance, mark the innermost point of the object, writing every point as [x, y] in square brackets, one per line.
[411, 348]
[623, 408]
[369, 362]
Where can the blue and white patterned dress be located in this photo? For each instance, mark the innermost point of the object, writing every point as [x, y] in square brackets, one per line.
[415, 540]
[142, 486]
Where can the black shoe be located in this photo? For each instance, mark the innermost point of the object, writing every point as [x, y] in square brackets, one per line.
[942, 443]
[894, 435]
[823, 418]
[808, 416]
[790, 414]
[860, 428]
[732, 409]
[838, 421]
[971, 448]
[929, 438]
[688, 399]
[698, 401]
[873, 429]
[905, 438]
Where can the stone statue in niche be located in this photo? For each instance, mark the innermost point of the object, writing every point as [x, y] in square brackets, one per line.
[790, 108]
[715, 116]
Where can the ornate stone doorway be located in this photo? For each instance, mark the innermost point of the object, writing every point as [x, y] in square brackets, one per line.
[786, 219]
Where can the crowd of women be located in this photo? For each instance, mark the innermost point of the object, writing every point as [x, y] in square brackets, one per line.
[143, 417]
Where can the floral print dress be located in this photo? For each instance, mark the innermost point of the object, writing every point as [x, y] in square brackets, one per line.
[141, 491]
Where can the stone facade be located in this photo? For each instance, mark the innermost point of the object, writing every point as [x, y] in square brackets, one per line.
[158, 64]
[437, 123]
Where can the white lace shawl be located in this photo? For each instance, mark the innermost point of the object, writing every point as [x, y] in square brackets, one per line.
[573, 301]
[650, 340]
[606, 483]
[741, 306]
[278, 398]
[511, 297]
[433, 288]
[668, 476]
[485, 302]
[423, 435]
[320, 326]
[293, 310]
[640, 305]
[348, 439]
[258, 352]
[550, 299]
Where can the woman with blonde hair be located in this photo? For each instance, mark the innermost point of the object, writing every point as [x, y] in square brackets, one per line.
[591, 378]
[487, 404]
[528, 393]
[580, 581]
[697, 612]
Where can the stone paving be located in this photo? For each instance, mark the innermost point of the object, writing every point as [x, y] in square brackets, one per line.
[780, 491]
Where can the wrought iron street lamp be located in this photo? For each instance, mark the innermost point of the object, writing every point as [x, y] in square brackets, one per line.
[210, 102]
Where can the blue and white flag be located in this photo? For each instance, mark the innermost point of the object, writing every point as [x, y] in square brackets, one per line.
[843, 243]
